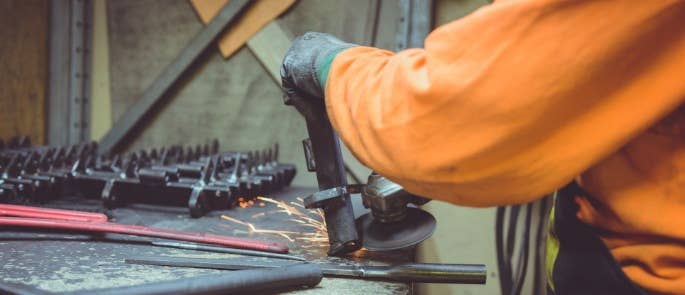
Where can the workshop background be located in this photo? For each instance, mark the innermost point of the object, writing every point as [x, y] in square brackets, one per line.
[234, 99]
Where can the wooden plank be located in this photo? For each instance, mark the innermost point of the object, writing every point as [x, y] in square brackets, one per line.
[260, 14]
[170, 75]
[23, 64]
[269, 46]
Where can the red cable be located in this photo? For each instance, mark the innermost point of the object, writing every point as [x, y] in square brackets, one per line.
[137, 230]
[56, 214]
[26, 216]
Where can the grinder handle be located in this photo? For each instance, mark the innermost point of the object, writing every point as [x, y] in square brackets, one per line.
[430, 273]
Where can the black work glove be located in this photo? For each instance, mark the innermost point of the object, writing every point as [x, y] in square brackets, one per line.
[304, 66]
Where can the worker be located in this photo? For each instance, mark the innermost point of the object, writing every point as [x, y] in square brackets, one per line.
[515, 101]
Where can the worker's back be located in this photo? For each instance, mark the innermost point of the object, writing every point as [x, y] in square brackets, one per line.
[517, 99]
[640, 205]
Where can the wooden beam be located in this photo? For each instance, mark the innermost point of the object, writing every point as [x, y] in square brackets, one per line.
[269, 46]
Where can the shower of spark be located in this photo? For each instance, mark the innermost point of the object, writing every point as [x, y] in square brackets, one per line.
[308, 218]
[242, 203]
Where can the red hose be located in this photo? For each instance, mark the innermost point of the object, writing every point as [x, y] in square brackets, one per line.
[56, 214]
[136, 230]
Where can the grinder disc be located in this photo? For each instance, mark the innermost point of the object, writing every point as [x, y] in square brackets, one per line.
[377, 236]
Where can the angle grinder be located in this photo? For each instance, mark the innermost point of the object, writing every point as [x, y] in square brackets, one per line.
[393, 223]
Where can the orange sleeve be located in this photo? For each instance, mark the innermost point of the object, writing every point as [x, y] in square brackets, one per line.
[512, 101]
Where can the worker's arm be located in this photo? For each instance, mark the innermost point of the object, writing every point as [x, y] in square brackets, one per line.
[512, 101]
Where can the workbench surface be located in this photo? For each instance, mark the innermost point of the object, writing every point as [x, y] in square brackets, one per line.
[60, 262]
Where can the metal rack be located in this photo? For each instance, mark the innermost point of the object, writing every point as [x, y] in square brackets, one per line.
[201, 178]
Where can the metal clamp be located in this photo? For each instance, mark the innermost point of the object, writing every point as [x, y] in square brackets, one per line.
[321, 198]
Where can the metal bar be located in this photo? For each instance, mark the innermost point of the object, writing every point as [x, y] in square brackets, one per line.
[144, 231]
[87, 66]
[69, 85]
[58, 97]
[421, 22]
[198, 247]
[403, 23]
[154, 93]
[45, 213]
[414, 23]
[251, 281]
[371, 26]
[79, 71]
[407, 272]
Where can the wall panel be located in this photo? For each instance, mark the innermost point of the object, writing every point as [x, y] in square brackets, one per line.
[23, 68]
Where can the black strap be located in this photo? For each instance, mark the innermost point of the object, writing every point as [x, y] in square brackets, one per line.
[584, 265]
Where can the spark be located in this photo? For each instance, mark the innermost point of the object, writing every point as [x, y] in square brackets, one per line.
[242, 203]
[313, 219]
[253, 229]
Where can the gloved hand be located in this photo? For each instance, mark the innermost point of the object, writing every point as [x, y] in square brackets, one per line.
[305, 70]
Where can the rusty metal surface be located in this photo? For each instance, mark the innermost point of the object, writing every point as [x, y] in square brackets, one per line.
[59, 262]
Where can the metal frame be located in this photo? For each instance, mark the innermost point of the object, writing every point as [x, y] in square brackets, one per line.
[69, 74]
[414, 23]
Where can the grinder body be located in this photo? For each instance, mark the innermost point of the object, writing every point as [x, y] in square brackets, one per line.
[388, 227]
[330, 174]
[322, 151]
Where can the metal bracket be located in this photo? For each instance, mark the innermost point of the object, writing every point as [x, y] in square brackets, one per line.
[321, 198]
[70, 66]
[414, 23]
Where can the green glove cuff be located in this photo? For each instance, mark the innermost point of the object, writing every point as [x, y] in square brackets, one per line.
[324, 67]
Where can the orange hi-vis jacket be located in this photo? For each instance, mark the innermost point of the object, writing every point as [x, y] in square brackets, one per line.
[523, 96]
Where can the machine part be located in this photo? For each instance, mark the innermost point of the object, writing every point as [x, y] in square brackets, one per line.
[238, 282]
[201, 179]
[392, 224]
[320, 198]
[409, 272]
[33, 217]
[330, 174]
[157, 90]
[388, 200]
[417, 226]
[216, 249]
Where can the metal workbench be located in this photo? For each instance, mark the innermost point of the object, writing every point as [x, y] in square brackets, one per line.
[60, 262]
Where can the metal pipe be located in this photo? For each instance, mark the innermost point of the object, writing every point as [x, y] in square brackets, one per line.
[199, 247]
[242, 281]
